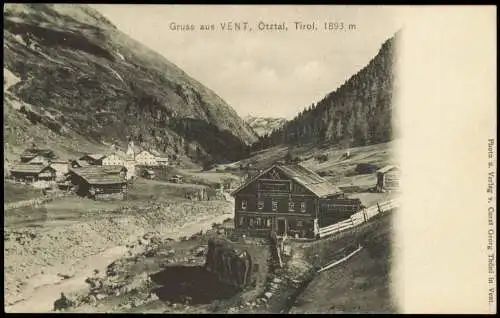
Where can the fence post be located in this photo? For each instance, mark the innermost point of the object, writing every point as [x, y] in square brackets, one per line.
[378, 207]
[365, 217]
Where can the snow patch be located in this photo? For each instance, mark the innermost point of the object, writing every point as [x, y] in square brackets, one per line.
[116, 74]
[120, 56]
[9, 79]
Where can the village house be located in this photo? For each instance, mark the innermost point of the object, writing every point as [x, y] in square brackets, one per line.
[113, 160]
[290, 200]
[60, 166]
[93, 159]
[30, 153]
[162, 161]
[388, 178]
[99, 182]
[33, 173]
[39, 160]
[146, 158]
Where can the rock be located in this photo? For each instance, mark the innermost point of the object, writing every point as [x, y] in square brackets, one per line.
[100, 296]
[126, 306]
[138, 302]
[153, 297]
[90, 299]
[268, 295]
[277, 280]
[232, 310]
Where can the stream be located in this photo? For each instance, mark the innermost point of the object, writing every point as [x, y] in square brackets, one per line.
[50, 286]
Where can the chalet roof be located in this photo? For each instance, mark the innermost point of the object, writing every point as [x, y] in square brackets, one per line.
[98, 170]
[28, 168]
[149, 171]
[59, 161]
[95, 156]
[155, 153]
[104, 179]
[143, 152]
[162, 158]
[116, 154]
[303, 176]
[38, 158]
[33, 152]
[81, 163]
[387, 168]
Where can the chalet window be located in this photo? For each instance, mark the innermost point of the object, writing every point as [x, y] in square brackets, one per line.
[244, 204]
[242, 219]
[291, 206]
[260, 205]
[274, 206]
[300, 223]
[257, 222]
[303, 207]
[251, 222]
[268, 224]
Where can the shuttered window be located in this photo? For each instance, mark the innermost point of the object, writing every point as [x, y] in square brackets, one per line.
[275, 206]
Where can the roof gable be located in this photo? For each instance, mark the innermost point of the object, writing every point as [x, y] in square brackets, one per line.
[29, 168]
[94, 156]
[303, 176]
[388, 168]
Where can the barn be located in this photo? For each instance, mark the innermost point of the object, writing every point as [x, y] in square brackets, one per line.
[290, 200]
[99, 182]
[388, 178]
[32, 173]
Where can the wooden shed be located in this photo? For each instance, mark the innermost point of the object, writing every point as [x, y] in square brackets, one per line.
[388, 178]
[99, 182]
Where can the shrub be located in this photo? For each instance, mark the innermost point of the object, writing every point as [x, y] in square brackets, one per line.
[365, 168]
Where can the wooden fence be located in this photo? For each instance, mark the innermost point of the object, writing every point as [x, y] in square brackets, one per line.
[31, 202]
[359, 218]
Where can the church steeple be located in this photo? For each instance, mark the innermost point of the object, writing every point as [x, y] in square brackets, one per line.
[130, 151]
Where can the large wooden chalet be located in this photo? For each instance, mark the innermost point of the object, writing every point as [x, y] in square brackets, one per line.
[99, 182]
[291, 200]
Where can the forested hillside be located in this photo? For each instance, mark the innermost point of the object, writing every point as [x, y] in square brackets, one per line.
[358, 113]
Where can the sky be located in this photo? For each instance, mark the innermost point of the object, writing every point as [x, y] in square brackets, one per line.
[265, 73]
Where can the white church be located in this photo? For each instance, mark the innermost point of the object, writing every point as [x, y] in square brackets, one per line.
[134, 157]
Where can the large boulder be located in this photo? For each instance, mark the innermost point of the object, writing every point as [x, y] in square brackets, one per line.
[231, 265]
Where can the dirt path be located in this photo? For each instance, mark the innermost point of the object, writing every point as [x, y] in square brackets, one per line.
[43, 296]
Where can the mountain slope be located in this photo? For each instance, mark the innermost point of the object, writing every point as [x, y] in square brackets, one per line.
[80, 78]
[264, 125]
[358, 113]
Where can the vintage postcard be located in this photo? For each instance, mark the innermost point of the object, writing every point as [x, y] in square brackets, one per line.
[237, 159]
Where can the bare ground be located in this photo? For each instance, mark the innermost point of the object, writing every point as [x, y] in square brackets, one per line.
[43, 246]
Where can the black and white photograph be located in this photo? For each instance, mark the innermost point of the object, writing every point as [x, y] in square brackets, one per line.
[204, 159]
